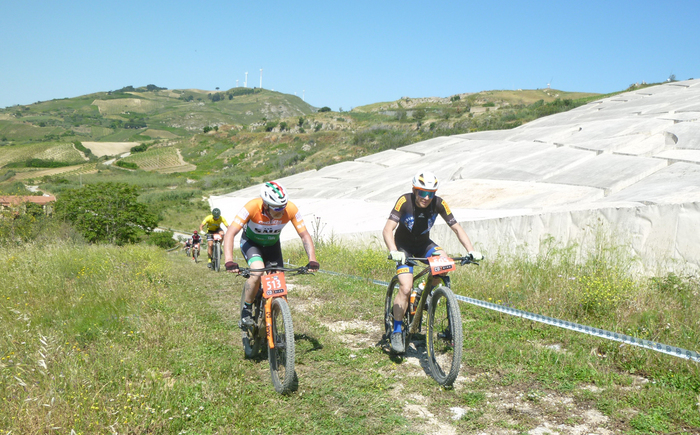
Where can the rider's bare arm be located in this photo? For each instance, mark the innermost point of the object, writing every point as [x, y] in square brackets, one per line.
[462, 236]
[308, 243]
[388, 234]
[228, 243]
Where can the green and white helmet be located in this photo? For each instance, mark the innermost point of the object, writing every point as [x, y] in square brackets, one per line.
[273, 194]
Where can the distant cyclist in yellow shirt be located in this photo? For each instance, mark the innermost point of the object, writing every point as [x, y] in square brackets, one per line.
[213, 223]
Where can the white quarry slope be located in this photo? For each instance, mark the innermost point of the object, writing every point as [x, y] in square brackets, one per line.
[628, 165]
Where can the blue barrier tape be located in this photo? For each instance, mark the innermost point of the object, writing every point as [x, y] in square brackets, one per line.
[596, 332]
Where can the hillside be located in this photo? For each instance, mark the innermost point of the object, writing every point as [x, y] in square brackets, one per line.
[138, 114]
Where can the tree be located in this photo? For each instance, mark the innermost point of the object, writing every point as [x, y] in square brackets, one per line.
[324, 109]
[106, 212]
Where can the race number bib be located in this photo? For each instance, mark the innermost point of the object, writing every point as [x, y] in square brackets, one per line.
[274, 285]
[441, 265]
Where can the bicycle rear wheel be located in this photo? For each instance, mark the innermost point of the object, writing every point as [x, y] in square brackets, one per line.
[252, 337]
[391, 292]
[444, 338]
[282, 356]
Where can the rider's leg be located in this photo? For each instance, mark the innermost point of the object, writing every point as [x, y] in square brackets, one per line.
[253, 283]
[402, 296]
[210, 245]
[250, 288]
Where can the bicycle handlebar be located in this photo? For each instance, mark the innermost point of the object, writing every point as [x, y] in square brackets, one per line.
[467, 259]
[302, 270]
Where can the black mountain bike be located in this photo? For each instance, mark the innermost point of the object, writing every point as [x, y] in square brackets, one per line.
[216, 252]
[273, 325]
[444, 334]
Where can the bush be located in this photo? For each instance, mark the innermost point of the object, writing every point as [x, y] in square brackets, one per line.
[162, 239]
[106, 212]
[127, 165]
[139, 148]
[80, 147]
[324, 109]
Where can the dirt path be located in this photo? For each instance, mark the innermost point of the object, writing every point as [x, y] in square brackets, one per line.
[551, 413]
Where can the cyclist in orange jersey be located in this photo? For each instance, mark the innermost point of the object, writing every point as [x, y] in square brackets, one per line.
[262, 220]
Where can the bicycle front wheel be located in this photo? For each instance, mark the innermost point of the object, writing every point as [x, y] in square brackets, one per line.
[217, 256]
[444, 338]
[282, 356]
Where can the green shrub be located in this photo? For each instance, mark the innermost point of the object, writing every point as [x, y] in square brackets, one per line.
[162, 239]
[127, 165]
[139, 148]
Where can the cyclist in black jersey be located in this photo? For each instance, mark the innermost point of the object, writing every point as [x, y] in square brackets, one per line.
[196, 240]
[412, 217]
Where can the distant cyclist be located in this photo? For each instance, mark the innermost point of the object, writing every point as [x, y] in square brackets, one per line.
[412, 217]
[262, 220]
[196, 239]
[213, 222]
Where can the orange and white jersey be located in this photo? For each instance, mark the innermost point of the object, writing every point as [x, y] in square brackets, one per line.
[260, 228]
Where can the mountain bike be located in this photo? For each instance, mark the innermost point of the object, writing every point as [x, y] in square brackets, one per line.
[187, 251]
[216, 252]
[273, 325]
[195, 253]
[444, 335]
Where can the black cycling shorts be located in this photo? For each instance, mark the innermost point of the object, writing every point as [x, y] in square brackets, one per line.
[268, 254]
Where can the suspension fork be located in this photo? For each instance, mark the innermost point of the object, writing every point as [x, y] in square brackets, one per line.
[268, 322]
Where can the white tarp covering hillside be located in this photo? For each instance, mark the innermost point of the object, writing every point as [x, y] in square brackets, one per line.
[628, 164]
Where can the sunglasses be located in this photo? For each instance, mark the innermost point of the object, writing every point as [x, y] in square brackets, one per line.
[425, 194]
[277, 209]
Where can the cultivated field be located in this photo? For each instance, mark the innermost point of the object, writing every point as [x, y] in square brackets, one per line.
[109, 148]
[164, 159]
[125, 105]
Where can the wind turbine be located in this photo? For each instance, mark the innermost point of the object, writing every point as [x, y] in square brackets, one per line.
[548, 83]
[245, 84]
[260, 78]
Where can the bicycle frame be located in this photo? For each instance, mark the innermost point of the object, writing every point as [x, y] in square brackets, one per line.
[274, 286]
[437, 266]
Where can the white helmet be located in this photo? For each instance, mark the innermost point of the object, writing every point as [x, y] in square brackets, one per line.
[426, 180]
[273, 194]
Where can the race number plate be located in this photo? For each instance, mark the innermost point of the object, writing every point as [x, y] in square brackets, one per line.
[274, 285]
[441, 265]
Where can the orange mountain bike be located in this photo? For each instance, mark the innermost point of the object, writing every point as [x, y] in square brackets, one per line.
[443, 339]
[273, 325]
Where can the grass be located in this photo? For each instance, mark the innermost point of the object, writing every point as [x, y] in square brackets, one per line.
[131, 340]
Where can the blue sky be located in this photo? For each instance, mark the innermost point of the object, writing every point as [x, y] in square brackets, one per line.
[343, 55]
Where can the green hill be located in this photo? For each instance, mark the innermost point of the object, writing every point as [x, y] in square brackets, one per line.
[137, 114]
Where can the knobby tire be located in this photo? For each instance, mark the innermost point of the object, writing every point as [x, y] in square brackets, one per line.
[217, 256]
[444, 337]
[282, 356]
